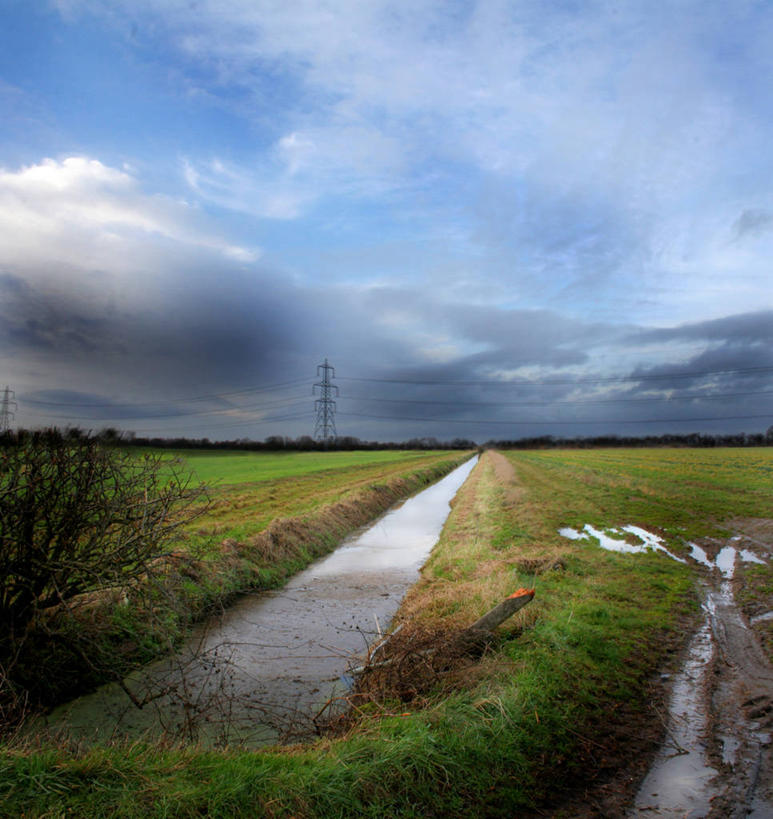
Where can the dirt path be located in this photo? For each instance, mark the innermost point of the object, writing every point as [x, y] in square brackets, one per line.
[717, 759]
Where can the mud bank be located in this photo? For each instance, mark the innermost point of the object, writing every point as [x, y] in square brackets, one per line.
[272, 668]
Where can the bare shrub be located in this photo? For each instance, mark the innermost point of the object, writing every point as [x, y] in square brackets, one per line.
[81, 524]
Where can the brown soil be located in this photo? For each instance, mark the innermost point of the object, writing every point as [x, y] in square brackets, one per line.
[737, 700]
[756, 530]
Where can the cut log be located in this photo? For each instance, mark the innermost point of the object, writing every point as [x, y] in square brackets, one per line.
[507, 608]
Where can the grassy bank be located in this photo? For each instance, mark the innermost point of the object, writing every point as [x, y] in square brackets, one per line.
[268, 518]
[564, 694]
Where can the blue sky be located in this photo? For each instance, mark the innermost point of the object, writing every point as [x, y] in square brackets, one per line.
[515, 218]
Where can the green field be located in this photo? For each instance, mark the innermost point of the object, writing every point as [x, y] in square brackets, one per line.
[220, 468]
[564, 698]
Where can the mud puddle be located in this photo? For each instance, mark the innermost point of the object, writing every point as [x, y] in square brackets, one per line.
[716, 760]
[275, 663]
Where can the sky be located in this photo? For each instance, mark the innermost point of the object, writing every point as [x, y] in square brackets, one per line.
[494, 219]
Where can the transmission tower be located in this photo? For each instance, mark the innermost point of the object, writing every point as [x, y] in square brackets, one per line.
[325, 428]
[7, 410]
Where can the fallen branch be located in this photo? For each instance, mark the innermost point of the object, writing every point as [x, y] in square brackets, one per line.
[473, 640]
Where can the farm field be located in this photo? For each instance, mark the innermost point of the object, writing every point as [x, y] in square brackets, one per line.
[560, 716]
[220, 468]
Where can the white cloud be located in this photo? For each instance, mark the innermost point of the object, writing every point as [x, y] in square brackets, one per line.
[296, 150]
[267, 193]
[301, 168]
[80, 214]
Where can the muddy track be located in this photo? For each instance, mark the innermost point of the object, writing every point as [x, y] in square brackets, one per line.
[717, 759]
[741, 704]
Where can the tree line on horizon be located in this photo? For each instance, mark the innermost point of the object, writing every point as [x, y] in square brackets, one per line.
[305, 443]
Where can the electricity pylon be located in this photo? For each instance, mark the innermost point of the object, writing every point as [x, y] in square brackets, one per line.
[325, 428]
[6, 413]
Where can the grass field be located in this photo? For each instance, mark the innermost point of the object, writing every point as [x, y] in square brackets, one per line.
[688, 492]
[221, 468]
[565, 696]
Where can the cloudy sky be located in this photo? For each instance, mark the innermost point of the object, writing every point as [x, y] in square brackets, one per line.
[495, 219]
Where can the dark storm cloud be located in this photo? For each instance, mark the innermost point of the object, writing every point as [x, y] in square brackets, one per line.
[729, 380]
[726, 367]
[744, 328]
[93, 406]
[213, 334]
[32, 320]
[509, 338]
[506, 372]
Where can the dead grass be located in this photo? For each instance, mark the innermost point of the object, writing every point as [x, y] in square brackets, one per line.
[415, 669]
[431, 653]
[506, 476]
[461, 580]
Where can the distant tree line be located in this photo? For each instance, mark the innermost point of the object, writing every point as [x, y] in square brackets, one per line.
[274, 443]
[305, 443]
[694, 439]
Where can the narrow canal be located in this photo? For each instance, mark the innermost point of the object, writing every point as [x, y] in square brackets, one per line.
[276, 662]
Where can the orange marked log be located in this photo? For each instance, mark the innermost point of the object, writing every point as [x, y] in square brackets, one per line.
[507, 608]
[521, 592]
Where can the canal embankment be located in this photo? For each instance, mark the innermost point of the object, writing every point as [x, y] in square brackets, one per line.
[255, 537]
[275, 662]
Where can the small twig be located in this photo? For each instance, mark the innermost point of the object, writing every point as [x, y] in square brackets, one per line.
[680, 750]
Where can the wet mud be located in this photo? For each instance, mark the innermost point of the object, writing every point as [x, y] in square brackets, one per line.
[277, 665]
[717, 760]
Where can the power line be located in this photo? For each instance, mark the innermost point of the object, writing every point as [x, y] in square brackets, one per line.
[210, 396]
[542, 421]
[284, 402]
[274, 419]
[293, 401]
[551, 383]
[693, 397]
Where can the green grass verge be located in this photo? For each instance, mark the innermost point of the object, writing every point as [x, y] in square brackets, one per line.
[528, 721]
